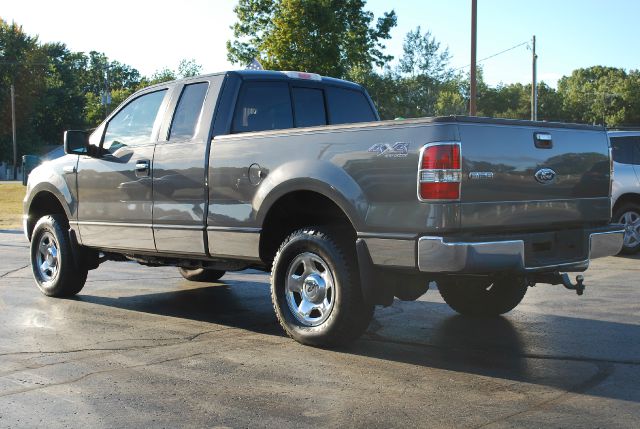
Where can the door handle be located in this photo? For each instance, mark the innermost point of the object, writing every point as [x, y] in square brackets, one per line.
[142, 168]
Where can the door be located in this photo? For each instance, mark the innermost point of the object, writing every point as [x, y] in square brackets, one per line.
[179, 187]
[115, 186]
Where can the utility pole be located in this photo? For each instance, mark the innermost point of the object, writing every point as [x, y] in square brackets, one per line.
[13, 127]
[474, 27]
[534, 83]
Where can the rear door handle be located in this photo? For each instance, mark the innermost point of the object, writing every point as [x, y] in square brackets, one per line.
[142, 168]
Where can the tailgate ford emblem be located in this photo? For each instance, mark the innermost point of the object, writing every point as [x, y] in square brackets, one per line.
[545, 176]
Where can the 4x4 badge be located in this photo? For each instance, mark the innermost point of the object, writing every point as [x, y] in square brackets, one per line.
[388, 150]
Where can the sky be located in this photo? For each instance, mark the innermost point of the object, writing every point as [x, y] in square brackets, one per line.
[151, 35]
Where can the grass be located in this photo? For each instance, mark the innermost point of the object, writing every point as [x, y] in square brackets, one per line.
[11, 195]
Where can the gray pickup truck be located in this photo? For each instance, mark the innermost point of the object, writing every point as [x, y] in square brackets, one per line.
[294, 173]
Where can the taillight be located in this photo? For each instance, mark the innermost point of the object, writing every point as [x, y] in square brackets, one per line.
[440, 172]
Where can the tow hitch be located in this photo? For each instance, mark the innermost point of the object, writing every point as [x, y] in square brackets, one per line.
[562, 279]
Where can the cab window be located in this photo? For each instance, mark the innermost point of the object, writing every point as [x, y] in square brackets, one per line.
[308, 105]
[134, 124]
[347, 106]
[263, 106]
[188, 111]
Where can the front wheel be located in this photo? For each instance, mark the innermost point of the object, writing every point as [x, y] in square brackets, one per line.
[52, 260]
[315, 289]
[482, 298]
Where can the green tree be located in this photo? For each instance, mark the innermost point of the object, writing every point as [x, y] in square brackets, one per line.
[60, 105]
[601, 95]
[188, 68]
[330, 37]
[22, 64]
[423, 55]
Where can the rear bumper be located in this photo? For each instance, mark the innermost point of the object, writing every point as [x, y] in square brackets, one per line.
[436, 255]
[432, 254]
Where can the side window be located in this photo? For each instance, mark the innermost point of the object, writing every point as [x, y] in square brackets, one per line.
[263, 106]
[133, 125]
[187, 114]
[347, 106]
[622, 149]
[308, 105]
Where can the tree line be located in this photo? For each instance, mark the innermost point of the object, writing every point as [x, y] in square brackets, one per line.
[58, 89]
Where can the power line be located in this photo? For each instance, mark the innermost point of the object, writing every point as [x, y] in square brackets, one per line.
[495, 55]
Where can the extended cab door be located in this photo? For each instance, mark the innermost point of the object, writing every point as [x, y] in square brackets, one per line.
[180, 194]
[114, 186]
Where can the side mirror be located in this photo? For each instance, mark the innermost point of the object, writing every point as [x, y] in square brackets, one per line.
[76, 142]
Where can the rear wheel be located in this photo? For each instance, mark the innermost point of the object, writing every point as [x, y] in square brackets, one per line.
[483, 298]
[201, 274]
[52, 259]
[629, 215]
[315, 289]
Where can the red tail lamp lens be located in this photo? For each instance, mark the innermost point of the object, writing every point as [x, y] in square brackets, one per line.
[440, 174]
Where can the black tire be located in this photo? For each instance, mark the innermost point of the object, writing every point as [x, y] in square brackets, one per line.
[201, 274]
[624, 214]
[482, 298]
[61, 276]
[348, 316]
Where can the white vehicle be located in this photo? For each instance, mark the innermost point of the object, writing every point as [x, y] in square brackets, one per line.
[625, 145]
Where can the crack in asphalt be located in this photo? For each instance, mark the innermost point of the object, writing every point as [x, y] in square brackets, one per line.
[104, 371]
[40, 386]
[13, 271]
[170, 342]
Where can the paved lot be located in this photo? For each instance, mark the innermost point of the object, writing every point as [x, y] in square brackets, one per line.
[142, 347]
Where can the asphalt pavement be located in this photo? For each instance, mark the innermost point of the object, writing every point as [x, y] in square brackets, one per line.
[141, 347]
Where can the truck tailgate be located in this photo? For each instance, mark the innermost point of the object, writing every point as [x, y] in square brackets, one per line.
[514, 176]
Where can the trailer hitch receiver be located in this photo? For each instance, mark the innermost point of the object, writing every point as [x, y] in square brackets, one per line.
[561, 279]
[578, 287]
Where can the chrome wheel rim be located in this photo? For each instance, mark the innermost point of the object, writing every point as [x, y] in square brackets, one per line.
[310, 289]
[631, 222]
[47, 259]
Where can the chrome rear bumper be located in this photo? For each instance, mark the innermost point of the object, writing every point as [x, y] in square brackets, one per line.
[438, 255]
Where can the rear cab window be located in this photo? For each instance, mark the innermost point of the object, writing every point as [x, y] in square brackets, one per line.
[347, 106]
[309, 107]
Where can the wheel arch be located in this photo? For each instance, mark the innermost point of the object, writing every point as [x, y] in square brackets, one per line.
[624, 199]
[297, 209]
[42, 201]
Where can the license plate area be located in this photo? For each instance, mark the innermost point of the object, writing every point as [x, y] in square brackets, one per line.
[551, 248]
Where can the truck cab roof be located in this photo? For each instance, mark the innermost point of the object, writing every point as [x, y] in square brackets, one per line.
[274, 75]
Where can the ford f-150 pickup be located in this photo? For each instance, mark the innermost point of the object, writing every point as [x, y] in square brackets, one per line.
[294, 173]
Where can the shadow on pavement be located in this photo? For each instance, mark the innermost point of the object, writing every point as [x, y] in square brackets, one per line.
[568, 353]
